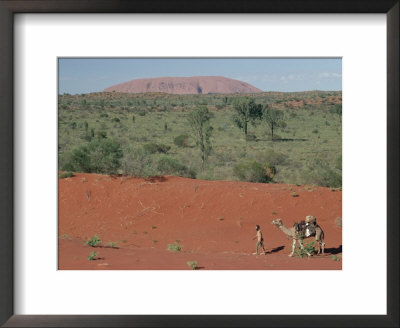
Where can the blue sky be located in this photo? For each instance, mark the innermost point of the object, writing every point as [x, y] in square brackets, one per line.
[78, 75]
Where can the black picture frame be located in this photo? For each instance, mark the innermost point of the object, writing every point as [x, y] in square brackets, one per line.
[10, 7]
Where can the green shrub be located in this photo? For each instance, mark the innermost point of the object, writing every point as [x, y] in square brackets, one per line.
[97, 156]
[338, 164]
[113, 244]
[322, 174]
[181, 140]
[138, 163]
[328, 177]
[192, 264]
[308, 248]
[254, 172]
[272, 157]
[116, 119]
[153, 148]
[175, 247]
[170, 166]
[93, 242]
[92, 256]
[66, 175]
[101, 134]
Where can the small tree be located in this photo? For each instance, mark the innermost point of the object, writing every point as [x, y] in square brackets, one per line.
[199, 121]
[246, 111]
[338, 111]
[274, 118]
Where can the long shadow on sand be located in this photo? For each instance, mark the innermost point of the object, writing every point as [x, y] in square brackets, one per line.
[334, 250]
[151, 179]
[157, 178]
[276, 249]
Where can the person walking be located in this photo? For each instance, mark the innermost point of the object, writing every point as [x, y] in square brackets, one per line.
[260, 240]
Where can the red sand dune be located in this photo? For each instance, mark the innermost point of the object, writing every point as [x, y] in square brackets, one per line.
[185, 85]
[214, 221]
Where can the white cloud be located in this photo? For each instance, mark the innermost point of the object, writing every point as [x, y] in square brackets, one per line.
[328, 75]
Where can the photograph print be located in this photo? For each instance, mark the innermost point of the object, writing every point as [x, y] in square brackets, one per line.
[199, 164]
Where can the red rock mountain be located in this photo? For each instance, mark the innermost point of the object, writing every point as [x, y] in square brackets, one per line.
[185, 85]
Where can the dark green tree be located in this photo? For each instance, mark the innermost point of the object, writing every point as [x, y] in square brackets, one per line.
[199, 121]
[273, 118]
[97, 156]
[338, 111]
[246, 111]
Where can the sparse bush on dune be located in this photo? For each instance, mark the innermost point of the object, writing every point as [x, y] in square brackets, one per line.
[254, 172]
[66, 175]
[138, 163]
[97, 156]
[322, 174]
[176, 247]
[171, 166]
[93, 242]
[192, 264]
[92, 256]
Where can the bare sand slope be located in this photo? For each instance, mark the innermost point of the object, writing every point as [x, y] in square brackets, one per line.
[185, 85]
[213, 221]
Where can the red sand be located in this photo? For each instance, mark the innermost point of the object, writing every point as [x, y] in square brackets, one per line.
[214, 221]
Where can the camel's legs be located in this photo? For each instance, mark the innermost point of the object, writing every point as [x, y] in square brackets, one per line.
[293, 247]
[321, 246]
[302, 247]
[318, 243]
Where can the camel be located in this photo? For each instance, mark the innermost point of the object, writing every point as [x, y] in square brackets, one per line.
[298, 236]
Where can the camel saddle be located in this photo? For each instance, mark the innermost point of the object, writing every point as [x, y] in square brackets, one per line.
[307, 229]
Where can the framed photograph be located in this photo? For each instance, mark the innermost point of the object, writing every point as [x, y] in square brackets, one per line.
[160, 163]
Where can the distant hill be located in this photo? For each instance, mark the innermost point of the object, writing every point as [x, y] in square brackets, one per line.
[185, 85]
